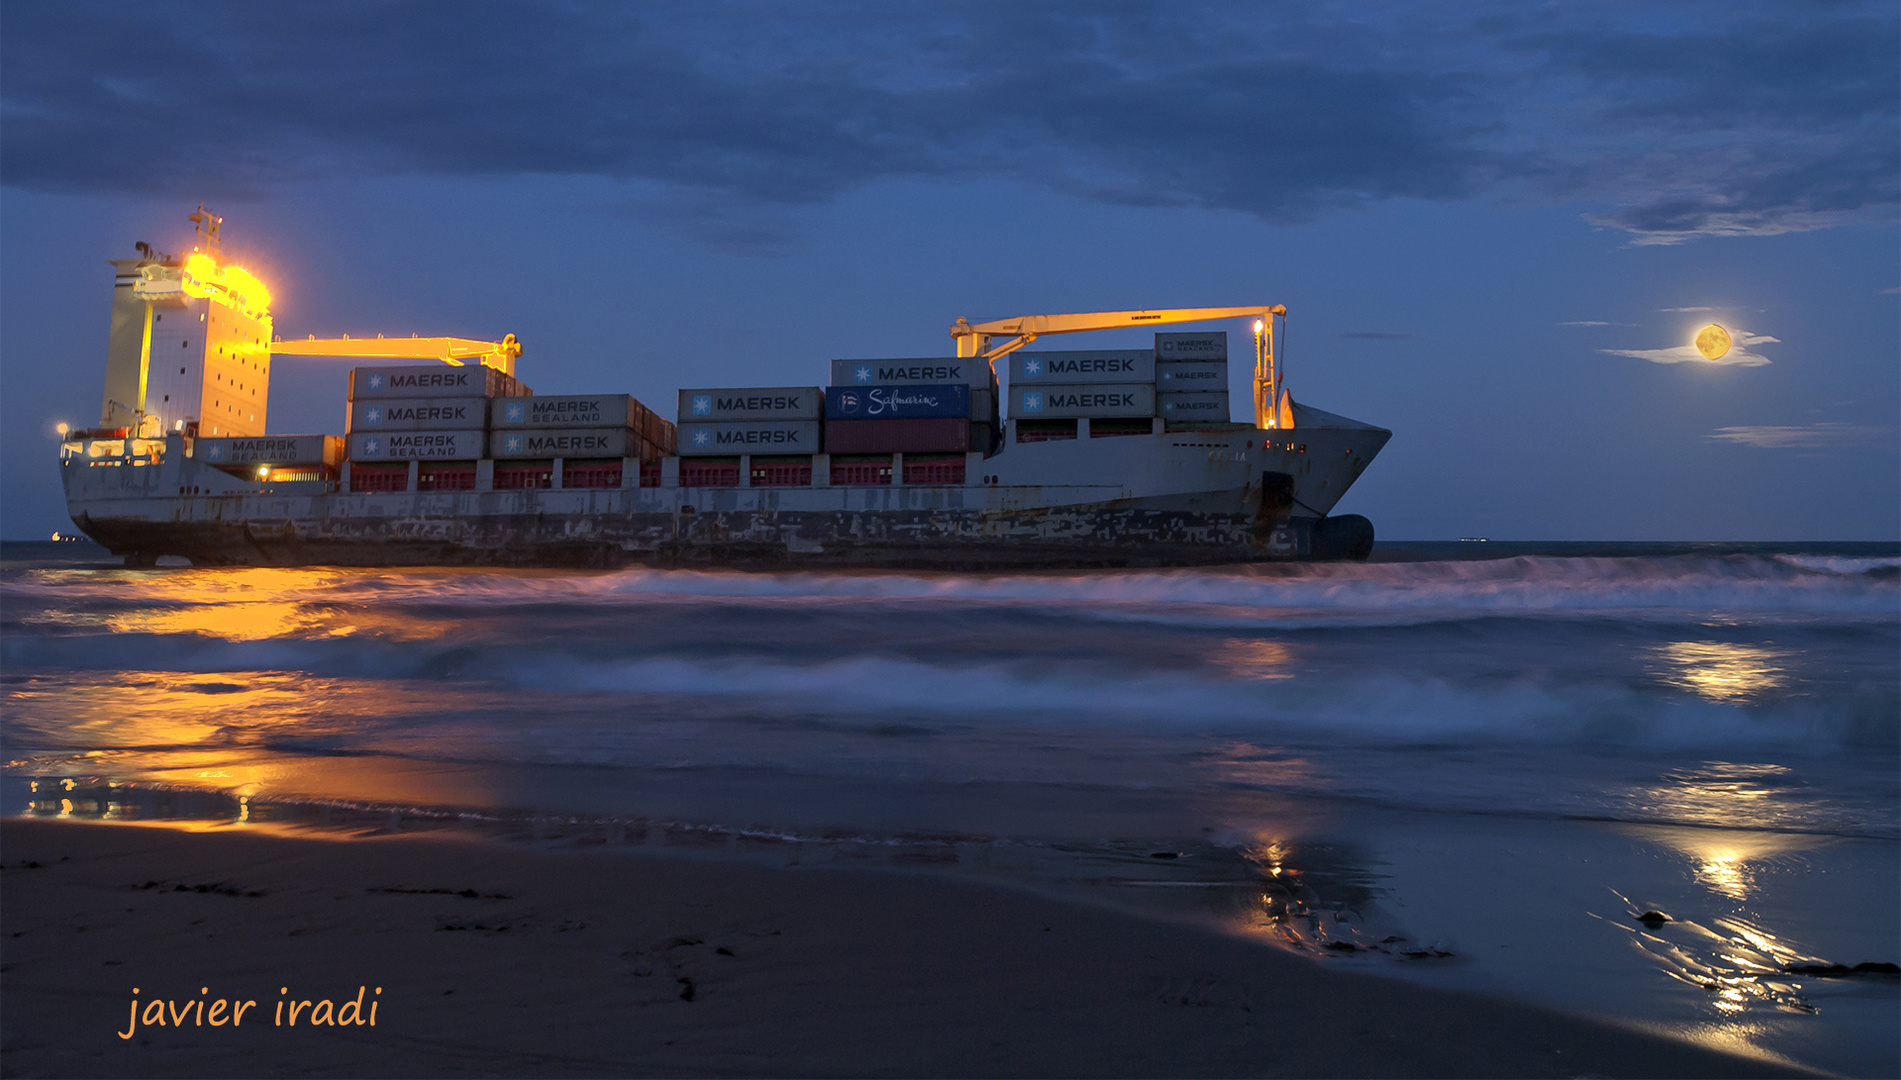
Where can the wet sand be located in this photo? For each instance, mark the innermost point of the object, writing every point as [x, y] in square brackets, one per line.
[500, 961]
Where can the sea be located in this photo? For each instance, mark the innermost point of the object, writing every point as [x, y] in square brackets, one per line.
[1656, 783]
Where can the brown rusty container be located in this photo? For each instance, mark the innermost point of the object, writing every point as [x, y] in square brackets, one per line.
[938, 435]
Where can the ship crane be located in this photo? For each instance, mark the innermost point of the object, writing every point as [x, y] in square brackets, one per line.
[1272, 408]
[496, 354]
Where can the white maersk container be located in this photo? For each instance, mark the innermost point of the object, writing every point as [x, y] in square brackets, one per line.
[969, 371]
[270, 450]
[567, 443]
[1066, 401]
[727, 437]
[568, 411]
[752, 403]
[1210, 406]
[1098, 366]
[427, 445]
[1182, 378]
[1195, 348]
[418, 414]
[433, 381]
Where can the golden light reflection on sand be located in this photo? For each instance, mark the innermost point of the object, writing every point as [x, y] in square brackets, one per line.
[1720, 671]
[1248, 659]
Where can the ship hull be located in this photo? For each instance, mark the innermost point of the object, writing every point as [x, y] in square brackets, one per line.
[1179, 499]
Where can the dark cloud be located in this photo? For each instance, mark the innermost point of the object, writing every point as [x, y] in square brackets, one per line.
[1673, 130]
[1376, 335]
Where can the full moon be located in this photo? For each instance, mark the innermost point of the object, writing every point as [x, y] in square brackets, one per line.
[1712, 341]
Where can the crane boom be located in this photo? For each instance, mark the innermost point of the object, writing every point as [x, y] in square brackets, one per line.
[496, 354]
[1272, 409]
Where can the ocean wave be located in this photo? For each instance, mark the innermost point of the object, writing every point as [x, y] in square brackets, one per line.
[1792, 584]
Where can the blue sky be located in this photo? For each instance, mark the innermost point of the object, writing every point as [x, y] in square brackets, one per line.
[1491, 224]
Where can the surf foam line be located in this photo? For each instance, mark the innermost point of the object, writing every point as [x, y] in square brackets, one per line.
[1797, 584]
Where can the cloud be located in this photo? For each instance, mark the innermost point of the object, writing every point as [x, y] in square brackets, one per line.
[1741, 121]
[1376, 335]
[1737, 356]
[1891, 292]
[1805, 437]
[1686, 309]
[1591, 322]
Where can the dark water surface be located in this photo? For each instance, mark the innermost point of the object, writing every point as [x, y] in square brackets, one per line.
[1461, 763]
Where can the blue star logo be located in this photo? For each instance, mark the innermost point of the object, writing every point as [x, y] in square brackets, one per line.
[376, 382]
[513, 414]
[372, 447]
[702, 437]
[511, 444]
[1032, 367]
[1032, 402]
[217, 452]
[862, 373]
[702, 404]
[372, 415]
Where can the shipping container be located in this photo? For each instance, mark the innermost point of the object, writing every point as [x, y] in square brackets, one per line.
[778, 471]
[968, 371]
[403, 445]
[433, 380]
[1131, 399]
[1195, 407]
[1197, 347]
[418, 414]
[659, 431]
[583, 473]
[445, 476]
[897, 402]
[709, 472]
[523, 475]
[565, 443]
[1180, 378]
[1082, 366]
[568, 411]
[371, 477]
[270, 450]
[929, 435]
[752, 403]
[861, 470]
[749, 437]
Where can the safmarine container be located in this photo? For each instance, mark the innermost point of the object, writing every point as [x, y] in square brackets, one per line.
[1061, 401]
[896, 402]
[938, 435]
[1195, 407]
[403, 445]
[566, 443]
[1198, 347]
[1082, 366]
[576, 411]
[270, 450]
[726, 437]
[1181, 378]
[752, 403]
[433, 381]
[418, 414]
[970, 371]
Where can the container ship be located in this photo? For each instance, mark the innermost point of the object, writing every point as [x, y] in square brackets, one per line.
[1074, 458]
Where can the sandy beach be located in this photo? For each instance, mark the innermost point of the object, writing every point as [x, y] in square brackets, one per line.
[481, 959]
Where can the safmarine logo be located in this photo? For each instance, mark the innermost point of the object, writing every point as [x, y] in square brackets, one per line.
[1032, 401]
[513, 413]
[848, 403]
[702, 437]
[511, 444]
[862, 373]
[702, 404]
[372, 415]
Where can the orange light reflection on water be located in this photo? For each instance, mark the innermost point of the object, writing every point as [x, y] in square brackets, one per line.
[1720, 671]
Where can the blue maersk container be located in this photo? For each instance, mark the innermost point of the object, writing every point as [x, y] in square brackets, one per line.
[896, 402]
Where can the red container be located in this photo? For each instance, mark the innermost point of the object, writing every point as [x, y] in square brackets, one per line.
[591, 474]
[937, 435]
[781, 472]
[862, 471]
[445, 476]
[934, 470]
[379, 477]
[518, 475]
[650, 475]
[709, 472]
